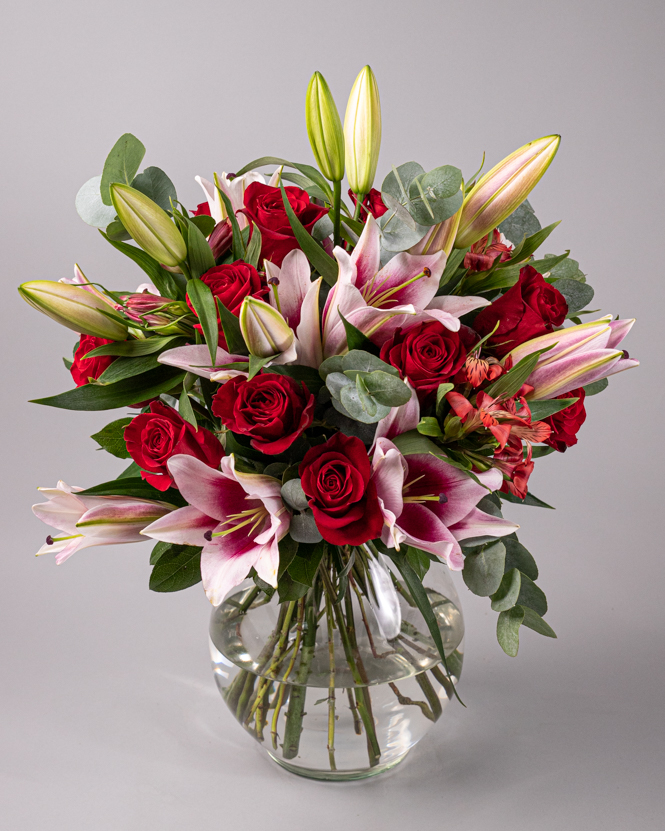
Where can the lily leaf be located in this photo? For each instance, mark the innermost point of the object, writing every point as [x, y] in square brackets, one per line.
[204, 306]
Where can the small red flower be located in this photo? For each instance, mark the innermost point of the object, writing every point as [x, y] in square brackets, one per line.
[83, 369]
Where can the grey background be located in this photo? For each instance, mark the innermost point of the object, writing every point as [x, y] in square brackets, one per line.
[109, 716]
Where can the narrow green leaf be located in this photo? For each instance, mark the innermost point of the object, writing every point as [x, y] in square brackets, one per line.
[305, 374]
[199, 253]
[484, 570]
[303, 569]
[112, 438]
[177, 569]
[429, 426]
[123, 368]
[256, 364]
[121, 394]
[508, 630]
[307, 170]
[505, 597]
[121, 164]
[204, 306]
[355, 339]
[185, 409]
[531, 244]
[596, 386]
[419, 560]
[238, 247]
[130, 472]
[322, 262]
[412, 442]
[508, 384]
[288, 548]
[529, 499]
[231, 328]
[546, 408]
[136, 348]
[136, 487]
[541, 450]
[534, 621]
[167, 284]
[254, 247]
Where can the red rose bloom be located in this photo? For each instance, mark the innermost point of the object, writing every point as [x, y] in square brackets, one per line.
[232, 283]
[264, 206]
[529, 309]
[85, 368]
[427, 354]
[152, 438]
[272, 409]
[372, 204]
[566, 423]
[336, 478]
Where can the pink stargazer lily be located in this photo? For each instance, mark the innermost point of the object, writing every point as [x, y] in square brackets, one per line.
[196, 359]
[234, 188]
[579, 355]
[378, 300]
[93, 520]
[238, 519]
[431, 505]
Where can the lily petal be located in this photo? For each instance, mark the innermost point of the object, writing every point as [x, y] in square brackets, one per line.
[196, 359]
[186, 526]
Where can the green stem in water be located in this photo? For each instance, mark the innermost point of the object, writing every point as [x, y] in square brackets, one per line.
[406, 701]
[430, 694]
[337, 216]
[331, 687]
[281, 692]
[296, 711]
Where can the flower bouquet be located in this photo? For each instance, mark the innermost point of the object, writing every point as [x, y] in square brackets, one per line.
[331, 401]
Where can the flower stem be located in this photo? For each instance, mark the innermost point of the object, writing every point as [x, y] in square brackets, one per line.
[296, 711]
[281, 692]
[337, 203]
[331, 687]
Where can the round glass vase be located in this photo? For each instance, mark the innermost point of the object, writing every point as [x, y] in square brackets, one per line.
[321, 689]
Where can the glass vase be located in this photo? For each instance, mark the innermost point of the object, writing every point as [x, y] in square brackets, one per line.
[319, 685]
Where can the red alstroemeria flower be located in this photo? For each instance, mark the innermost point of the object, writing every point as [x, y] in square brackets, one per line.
[483, 253]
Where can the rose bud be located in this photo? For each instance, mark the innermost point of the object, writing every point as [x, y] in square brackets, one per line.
[221, 238]
[148, 225]
[362, 132]
[74, 307]
[324, 129]
[272, 410]
[336, 476]
[83, 368]
[503, 189]
[265, 331]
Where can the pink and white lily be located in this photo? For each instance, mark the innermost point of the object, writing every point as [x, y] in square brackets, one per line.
[234, 189]
[238, 519]
[93, 520]
[196, 359]
[431, 505]
[578, 356]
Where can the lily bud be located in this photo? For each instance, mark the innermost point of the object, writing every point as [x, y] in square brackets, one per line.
[362, 132]
[74, 307]
[503, 189]
[148, 225]
[265, 331]
[221, 238]
[324, 129]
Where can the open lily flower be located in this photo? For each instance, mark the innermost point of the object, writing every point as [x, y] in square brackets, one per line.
[234, 188]
[578, 355]
[237, 518]
[431, 505]
[93, 520]
[196, 359]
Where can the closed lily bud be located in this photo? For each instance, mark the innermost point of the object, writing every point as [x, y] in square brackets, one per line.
[362, 132]
[503, 189]
[324, 129]
[265, 331]
[148, 225]
[74, 307]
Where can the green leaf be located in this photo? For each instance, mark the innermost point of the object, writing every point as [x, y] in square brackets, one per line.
[121, 164]
[532, 596]
[534, 621]
[566, 268]
[529, 246]
[508, 630]
[355, 339]
[289, 589]
[121, 394]
[358, 360]
[112, 438]
[239, 247]
[231, 328]
[177, 569]
[130, 472]
[186, 410]
[90, 207]
[429, 426]
[548, 262]
[436, 196]
[204, 306]
[517, 556]
[508, 384]
[546, 408]
[419, 561]
[539, 451]
[136, 348]
[399, 230]
[305, 183]
[254, 247]
[412, 442]
[398, 182]
[205, 224]
[156, 185]
[303, 569]
[483, 571]
[167, 284]
[521, 223]
[306, 374]
[385, 388]
[116, 231]
[199, 253]
[307, 170]
[137, 487]
[288, 549]
[529, 499]
[322, 262]
[256, 364]
[441, 392]
[453, 263]
[578, 295]
[595, 387]
[123, 368]
[157, 551]
[505, 597]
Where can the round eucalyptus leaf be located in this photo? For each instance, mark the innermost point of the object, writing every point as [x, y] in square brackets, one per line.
[294, 496]
[398, 185]
[397, 235]
[578, 295]
[521, 223]
[303, 528]
[90, 207]
[436, 196]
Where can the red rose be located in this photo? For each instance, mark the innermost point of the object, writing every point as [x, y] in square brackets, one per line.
[232, 283]
[529, 309]
[152, 438]
[202, 209]
[85, 368]
[336, 478]
[482, 255]
[272, 409]
[264, 206]
[428, 354]
[372, 203]
[566, 423]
